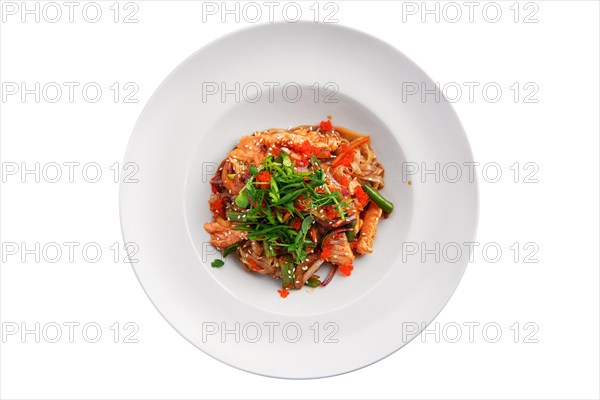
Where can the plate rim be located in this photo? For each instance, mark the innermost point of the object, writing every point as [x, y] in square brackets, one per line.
[216, 41]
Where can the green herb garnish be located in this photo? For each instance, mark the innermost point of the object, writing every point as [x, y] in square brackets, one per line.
[241, 200]
[230, 249]
[271, 206]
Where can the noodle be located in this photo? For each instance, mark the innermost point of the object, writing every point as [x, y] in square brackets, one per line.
[286, 201]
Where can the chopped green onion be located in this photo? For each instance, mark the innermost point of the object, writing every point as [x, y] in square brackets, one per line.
[313, 282]
[306, 224]
[235, 216]
[253, 170]
[300, 239]
[274, 192]
[287, 275]
[290, 197]
[231, 176]
[269, 250]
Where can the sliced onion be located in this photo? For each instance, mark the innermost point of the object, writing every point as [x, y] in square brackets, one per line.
[311, 270]
[349, 219]
[329, 275]
[330, 234]
[333, 180]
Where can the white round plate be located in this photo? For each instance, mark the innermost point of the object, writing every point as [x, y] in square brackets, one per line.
[281, 75]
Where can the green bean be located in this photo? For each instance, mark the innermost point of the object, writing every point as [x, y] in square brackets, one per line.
[350, 233]
[386, 205]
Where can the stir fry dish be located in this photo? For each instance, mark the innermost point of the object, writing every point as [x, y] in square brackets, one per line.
[287, 202]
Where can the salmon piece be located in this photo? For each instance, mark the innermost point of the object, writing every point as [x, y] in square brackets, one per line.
[368, 229]
[324, 143]
[250, 149]
[222, 233]
[338, 250]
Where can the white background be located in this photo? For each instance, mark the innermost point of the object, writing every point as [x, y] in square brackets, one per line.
[559, 295]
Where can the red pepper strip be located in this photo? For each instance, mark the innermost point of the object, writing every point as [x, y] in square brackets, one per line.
[352, 146]
[253, 265]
